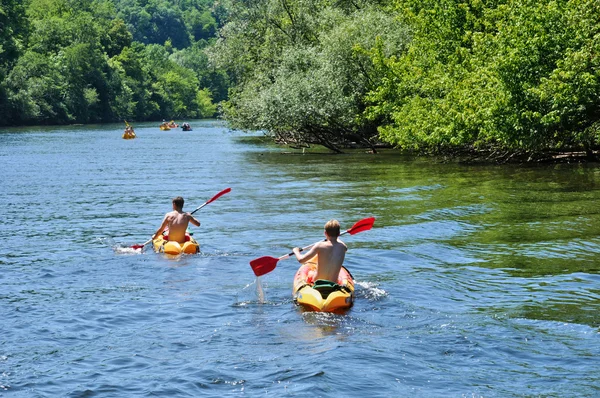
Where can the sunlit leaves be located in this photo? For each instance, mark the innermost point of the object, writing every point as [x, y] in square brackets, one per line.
[518, 75]
[79, 63]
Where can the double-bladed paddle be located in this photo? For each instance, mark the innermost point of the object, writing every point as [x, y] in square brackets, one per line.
[217, 196]
[264, 265]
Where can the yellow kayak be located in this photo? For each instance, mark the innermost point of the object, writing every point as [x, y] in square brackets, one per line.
[128, 135]
[322, 296]
[162, 245]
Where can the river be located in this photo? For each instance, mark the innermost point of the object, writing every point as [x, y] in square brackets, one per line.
[475, 281]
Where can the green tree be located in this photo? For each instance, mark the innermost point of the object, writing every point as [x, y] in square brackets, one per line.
[35, 88]
[500, 76]
[13, 35]
[65, 61]
[131, 83]
[299, 73]
[116, 38]
[201, 24]
[174, 88]
[195, 58]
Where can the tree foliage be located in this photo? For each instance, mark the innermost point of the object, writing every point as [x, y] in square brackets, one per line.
[13, 34]
[511, 76]
[501, 76]
[515, 76]
[298, 72]
[66, 61]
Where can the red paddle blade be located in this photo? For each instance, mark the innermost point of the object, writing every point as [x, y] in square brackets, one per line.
[263, 265]
[217, 196]
[363, 225]
[135, 247]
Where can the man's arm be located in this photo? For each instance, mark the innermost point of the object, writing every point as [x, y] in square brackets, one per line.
[193, 220]
[309, 254]
[162, 227]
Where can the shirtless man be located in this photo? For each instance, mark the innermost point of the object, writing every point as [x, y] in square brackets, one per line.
[177, 222]
[331, 253]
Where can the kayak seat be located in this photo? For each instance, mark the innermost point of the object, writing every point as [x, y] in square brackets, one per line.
[325, 287]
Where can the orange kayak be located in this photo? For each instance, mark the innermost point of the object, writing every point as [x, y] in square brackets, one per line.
[323, 296]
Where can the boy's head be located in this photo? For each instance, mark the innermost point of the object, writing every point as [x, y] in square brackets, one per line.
[178, 202]
[332, 228]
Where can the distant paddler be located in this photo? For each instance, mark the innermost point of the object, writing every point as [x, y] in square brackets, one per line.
[164, 126]
[128, 133]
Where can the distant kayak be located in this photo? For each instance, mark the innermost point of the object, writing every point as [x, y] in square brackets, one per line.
[323, 296]
[163, 245]
[128, 135]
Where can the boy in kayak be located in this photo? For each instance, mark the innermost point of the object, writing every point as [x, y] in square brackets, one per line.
[331, 253]
[176, 222]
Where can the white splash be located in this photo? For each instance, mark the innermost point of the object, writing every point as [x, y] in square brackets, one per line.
[127, 250]
[371, 291]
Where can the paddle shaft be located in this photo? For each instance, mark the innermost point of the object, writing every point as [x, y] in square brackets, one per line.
[217, 196]
[145, 243]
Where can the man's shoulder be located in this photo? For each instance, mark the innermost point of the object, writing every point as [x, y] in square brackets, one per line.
[340, 243]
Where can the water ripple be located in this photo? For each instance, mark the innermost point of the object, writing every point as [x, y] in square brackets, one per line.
[474, 281]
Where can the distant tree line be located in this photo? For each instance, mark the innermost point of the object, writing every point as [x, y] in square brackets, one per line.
[82, 61]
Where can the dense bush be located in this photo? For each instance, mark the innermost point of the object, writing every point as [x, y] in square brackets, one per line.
[516, 76]
[298, 69]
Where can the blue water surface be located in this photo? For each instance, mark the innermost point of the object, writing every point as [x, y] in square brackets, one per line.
[475, 281]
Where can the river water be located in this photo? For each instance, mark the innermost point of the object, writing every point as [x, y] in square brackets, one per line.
[475, 281]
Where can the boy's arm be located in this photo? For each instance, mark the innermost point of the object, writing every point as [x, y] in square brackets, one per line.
[193, 220]
[162, 227]
[309, 254]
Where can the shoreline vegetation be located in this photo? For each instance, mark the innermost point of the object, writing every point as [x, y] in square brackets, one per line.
[487, 81]
[468, 156]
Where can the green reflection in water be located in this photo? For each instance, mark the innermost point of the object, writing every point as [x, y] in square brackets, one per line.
[527, 220]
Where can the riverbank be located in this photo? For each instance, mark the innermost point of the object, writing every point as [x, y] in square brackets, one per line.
[469, 156]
